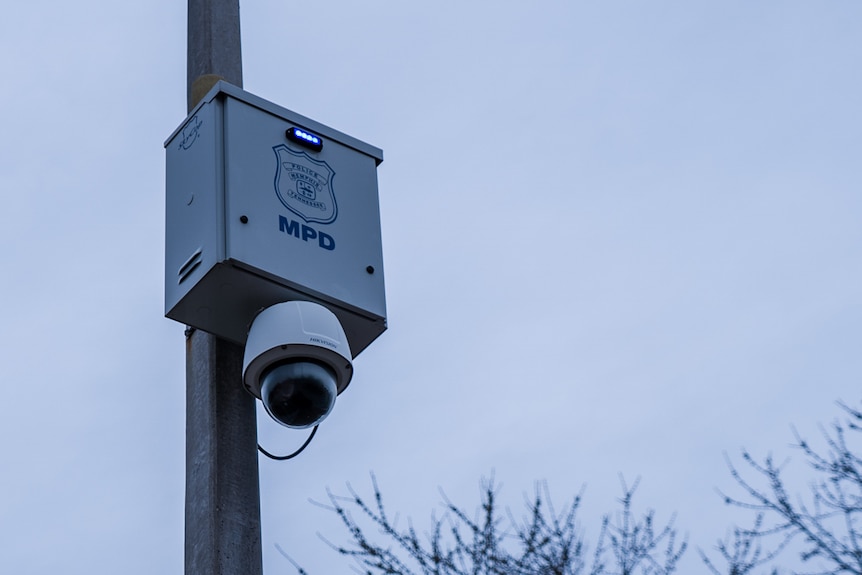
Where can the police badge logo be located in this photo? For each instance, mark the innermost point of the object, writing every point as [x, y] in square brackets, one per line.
[304, 185]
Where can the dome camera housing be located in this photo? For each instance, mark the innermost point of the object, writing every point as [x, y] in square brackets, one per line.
[297, 360]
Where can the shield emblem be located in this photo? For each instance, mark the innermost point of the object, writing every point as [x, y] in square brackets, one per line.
[304, 185]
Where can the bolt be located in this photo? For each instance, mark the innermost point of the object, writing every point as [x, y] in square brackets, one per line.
[243, 219]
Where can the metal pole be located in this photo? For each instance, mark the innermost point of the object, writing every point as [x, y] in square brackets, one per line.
[214, 47]
[222, 530]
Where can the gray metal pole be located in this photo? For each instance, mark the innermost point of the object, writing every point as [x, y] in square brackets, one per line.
[214, 47]
[222, 531]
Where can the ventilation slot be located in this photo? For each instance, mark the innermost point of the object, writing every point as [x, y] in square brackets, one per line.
[191, 265]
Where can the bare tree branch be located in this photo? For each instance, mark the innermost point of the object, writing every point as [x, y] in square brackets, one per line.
[828, 525]
[825, 527]
[543, 542]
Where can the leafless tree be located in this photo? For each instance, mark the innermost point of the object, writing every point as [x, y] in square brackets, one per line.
[825, 527]
[491, 542]
[742, 552]
[827, 524]
[635, 544]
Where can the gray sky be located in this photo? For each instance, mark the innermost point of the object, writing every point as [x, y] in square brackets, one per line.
[620, 237]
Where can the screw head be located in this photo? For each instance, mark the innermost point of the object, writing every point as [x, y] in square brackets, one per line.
[243, 219]
[370, 269]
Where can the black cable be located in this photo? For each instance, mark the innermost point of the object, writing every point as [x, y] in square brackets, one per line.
[292, 455]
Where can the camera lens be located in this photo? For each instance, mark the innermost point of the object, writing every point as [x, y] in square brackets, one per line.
[298, 394]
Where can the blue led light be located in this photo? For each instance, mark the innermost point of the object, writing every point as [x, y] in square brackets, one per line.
[306, 139]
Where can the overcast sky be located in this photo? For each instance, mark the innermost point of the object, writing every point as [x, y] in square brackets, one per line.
[620, 238]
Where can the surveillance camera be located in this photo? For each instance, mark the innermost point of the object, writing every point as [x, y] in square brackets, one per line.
[297, 360]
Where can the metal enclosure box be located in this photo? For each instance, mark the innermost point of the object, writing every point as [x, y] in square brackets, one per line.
[255, 218]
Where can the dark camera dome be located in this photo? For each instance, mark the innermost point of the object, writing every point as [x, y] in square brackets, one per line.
[298, 394]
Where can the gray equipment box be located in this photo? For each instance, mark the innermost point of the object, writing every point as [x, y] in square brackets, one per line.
[258, 213]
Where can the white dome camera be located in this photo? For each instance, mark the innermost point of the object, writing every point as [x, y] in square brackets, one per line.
[297, 360]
